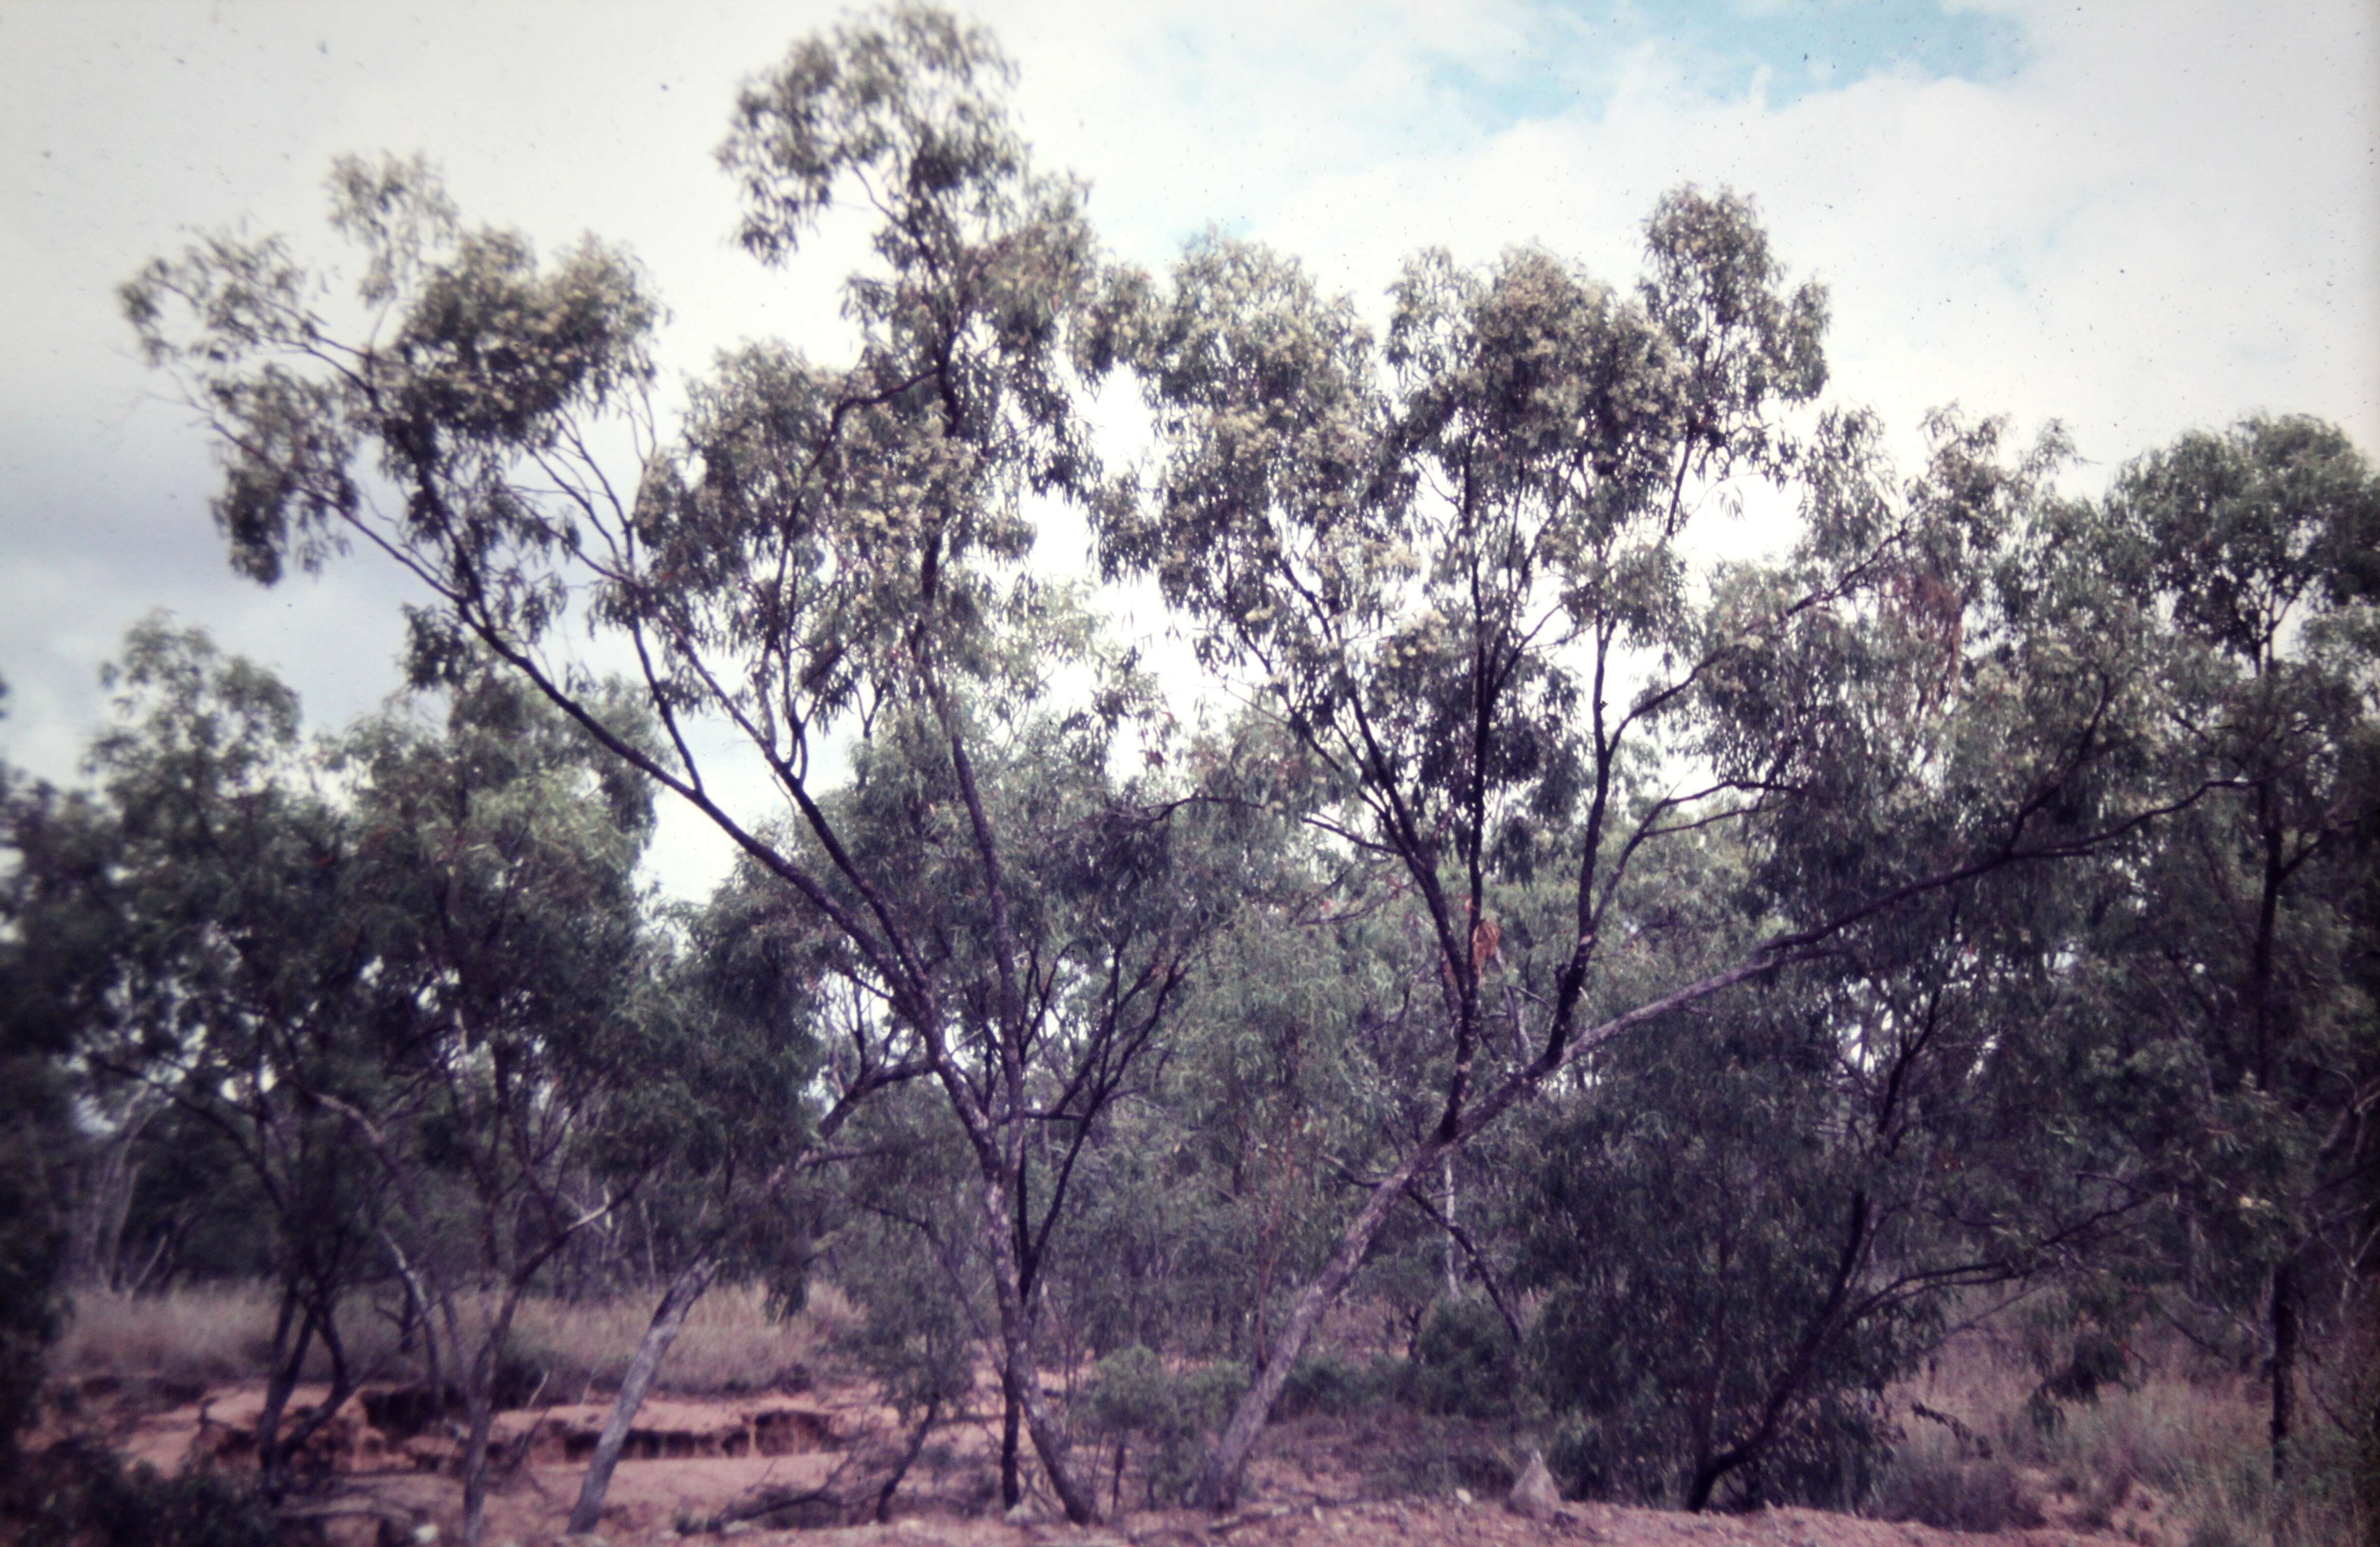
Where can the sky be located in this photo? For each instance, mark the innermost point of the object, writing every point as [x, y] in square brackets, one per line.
[2136, 219]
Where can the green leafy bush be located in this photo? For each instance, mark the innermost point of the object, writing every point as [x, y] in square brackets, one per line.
[1464, 1362]
[1329, 1385]
[1133, 1395]
[78, 1495]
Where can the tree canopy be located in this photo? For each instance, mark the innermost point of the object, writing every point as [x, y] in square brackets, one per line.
[1663, 978]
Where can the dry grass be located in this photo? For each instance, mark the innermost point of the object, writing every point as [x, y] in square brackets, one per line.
[185, 1336]
[218, 1334]
[2194, 1433]
[729, 1343]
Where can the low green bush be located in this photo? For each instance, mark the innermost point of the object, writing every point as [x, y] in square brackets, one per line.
[1464, 1362]
[1132, 1396]
[83, 1495]
[1333, 1387]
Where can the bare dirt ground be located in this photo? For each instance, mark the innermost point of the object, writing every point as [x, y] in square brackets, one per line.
[789, 1466]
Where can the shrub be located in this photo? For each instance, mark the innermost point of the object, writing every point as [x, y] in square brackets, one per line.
[1331, 1385]
[1932, 1486]
[82, 1496]
[1463, 1364]
[1132, 1393]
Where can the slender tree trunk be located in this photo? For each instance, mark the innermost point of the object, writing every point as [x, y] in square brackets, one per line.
[420, 1316]
[482, 1407]
[271, 1465]
[909, 1459]
[1448, 1265]
[1219, 1484]
[668, 1318]
[1012, 1479]
[1020, 1369]
[480, 1401]
[2285, 1364]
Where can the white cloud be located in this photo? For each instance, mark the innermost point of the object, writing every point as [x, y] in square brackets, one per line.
[2165, 215]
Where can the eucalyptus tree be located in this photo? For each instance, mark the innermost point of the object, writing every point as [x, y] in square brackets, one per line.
[820, 549]
[1746, 1231]
[516, 1009]
[1456, 568]
[2238, 958]
[723, 1095]
[188, 926]
[32, 1039]
[1113, 888]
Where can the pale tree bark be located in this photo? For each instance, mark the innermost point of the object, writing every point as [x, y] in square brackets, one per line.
[1219, 1485]
[1448, 1269]
[1022, 1370]
[1219, 1482]
[668, 1318]
[104, 1201]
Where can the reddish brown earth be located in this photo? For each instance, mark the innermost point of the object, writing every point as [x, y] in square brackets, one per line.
[819, 1457]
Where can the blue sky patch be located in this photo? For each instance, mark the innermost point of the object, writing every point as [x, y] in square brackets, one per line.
[1805, 46]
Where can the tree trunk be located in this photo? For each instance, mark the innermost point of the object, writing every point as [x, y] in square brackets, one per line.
[2285, 1364]
[272, 1464]
[909, 1459]
[1012, 1478]
[1709, 1473]
[1448, 1264]
[480, 1401]
[1020, 1371]
[1219, 1484]
[668, 1316]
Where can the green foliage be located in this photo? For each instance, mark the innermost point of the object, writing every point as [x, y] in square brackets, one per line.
[190, 922]
[913, 1337]
[36, 1133]
[1725, 1290]
[33, 1133]
[2076, 1344]
[1464, 1362]
[1329, 1384]
[1134, 1394]
[2032, 835]
[75, 1495]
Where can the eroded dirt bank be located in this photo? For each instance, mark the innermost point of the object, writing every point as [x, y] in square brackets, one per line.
[798, 1466]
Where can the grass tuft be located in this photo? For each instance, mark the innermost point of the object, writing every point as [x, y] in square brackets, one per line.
[215, 1334]
[2184, 1434]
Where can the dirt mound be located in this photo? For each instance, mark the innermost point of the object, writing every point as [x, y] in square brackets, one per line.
[382, 1428]
[668, 1430]
[752, 1466]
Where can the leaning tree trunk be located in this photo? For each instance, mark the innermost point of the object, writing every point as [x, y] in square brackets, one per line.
[1219, 1484]
[668, 1318]
[933, 1413]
